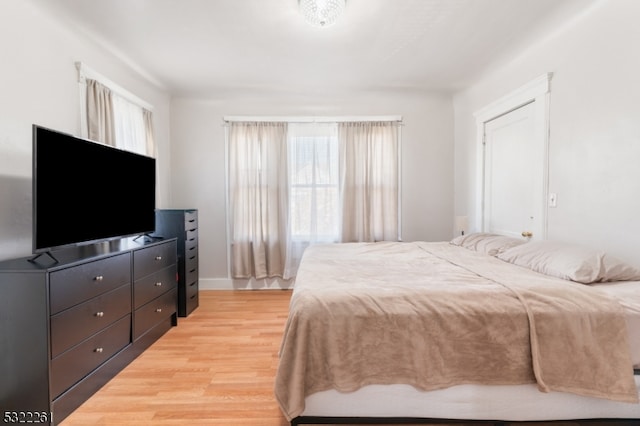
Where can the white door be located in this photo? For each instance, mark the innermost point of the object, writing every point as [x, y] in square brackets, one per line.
[512, 170]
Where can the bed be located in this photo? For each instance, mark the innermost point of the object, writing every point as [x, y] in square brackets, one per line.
[485, 327]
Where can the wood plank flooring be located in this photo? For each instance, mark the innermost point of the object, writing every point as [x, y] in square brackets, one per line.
[217, 367]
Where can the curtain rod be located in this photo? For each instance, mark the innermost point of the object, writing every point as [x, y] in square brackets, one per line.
[85, 72]
[307, 119]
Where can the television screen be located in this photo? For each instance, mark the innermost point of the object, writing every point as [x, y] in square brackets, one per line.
[86, 192]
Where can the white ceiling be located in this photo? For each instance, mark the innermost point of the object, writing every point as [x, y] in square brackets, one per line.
[202, 47]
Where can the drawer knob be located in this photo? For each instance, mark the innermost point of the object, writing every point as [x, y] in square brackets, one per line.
[99, 314]
[158, 310]
[99, 278]
[158, 284]
[98, 350]
[158, 257]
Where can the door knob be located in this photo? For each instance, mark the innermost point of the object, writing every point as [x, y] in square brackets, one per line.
[527, 234]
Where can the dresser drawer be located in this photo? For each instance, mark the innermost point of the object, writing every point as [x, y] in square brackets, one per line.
[191, 272]
[191, 236]
[154, 312]
[192, 290]
[68, 287]
[190, 219]
[191, 248]
[149, 260]
[73, 365]
[152, 286]
[74, 325]
[191, 258]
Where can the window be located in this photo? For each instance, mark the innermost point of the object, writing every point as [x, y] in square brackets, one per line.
[293, 184]
[113, 116]
[128, 121]
[314, 198]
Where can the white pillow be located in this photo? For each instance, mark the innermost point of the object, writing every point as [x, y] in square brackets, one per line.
[487, 243]
[570, 262]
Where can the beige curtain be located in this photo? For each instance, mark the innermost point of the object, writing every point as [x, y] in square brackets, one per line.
[258, 199]
[100, 121]
[369, 179]
[148, 126]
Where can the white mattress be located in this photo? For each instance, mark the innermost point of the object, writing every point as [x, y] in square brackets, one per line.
[628, 294]
[481, 402]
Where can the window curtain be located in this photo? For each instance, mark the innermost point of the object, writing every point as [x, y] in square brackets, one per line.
[129, 125]
[314, 199]
[116, 121]
[100, 118]
[150, 140]
[369, 179]
[258, 199]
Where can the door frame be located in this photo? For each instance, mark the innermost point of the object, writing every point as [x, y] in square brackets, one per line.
[536, 92]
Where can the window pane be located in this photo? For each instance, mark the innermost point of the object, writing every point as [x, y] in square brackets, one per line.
[130, 131]
[327, 213]
[300, 216]
[313, 177]
[301, 153]
[326, 155]
[314, 213]
[314, 160]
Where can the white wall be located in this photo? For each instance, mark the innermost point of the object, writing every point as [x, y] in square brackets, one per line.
[39, 85]
[198, 159]
[594, 150]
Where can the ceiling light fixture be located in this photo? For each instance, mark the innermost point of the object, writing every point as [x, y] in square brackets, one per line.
[321, 13]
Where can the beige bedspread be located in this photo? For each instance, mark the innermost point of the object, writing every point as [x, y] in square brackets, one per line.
[435, 315]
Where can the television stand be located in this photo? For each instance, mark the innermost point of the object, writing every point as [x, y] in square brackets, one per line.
[48, 253]
[68, 328]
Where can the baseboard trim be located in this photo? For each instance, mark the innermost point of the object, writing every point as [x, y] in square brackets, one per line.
[250, 284]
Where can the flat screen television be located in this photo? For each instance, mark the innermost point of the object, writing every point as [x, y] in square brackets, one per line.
[86, 192]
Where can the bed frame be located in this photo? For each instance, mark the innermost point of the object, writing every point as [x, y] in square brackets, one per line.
[328, 420]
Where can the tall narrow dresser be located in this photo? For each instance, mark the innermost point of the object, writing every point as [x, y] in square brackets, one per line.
[182, 225]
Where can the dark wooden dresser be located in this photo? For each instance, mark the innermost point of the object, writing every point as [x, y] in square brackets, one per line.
[67, 328]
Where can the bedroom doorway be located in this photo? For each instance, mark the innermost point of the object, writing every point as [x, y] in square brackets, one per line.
[509, 170]
[512, 164]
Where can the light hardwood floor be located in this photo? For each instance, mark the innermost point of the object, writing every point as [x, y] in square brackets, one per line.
[217, 367]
